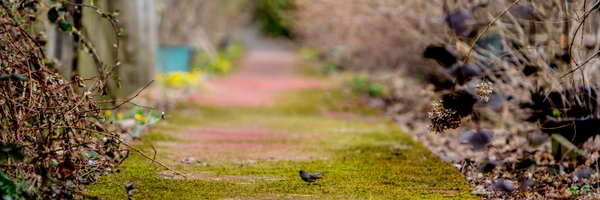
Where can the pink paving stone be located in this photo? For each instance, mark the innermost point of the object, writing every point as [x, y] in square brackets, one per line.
[262, 77]
[236, 144]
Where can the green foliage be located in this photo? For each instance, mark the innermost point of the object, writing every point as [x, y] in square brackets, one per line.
[359, 84]
[8, 188]
[53, 14]
[309, 54]
[65, 26]
[364, 85]
[143, 116]
[578, 189]
[203, 64]
[11, 151]
[233, 50]
[314, 64]
[330, 68]
[272, 16]
[222, 62]
[58, 14]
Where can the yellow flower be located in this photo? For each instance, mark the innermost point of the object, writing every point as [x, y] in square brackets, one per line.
[120, 116]
[224, 65]
[140, 118]
[180, 79]
[108, 113]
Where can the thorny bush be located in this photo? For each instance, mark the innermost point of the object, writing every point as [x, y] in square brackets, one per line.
[54, 136]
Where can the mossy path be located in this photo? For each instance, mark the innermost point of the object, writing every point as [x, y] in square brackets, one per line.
[252, 131]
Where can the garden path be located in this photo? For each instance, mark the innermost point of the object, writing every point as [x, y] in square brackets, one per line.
[246, 135]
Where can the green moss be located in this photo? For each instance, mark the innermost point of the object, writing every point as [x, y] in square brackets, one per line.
[157, 135]
[318, 101]
[365, 159]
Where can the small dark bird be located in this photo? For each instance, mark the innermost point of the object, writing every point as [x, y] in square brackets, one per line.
[310, 177]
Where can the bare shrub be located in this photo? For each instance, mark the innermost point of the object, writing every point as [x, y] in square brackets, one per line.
[370, 34]
[540, 57]
[54, 136]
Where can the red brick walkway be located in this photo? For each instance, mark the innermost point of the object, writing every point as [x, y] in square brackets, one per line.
[263, 75]
[260, 78]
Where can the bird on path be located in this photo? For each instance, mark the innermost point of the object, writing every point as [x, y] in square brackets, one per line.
[310, 177]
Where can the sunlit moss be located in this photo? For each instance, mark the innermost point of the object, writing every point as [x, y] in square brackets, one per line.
[365, 159]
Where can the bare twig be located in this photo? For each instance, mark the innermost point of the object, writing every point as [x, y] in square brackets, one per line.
[488, 27]
[132, 97]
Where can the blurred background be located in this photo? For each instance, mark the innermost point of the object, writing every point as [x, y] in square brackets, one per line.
[175, 41]
[399, 53]
[159, 37]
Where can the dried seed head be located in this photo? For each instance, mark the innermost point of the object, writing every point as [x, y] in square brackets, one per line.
[484, 90]
[442, 118]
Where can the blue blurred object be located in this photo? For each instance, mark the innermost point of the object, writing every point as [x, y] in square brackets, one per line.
[491, 41]
[174, 58]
